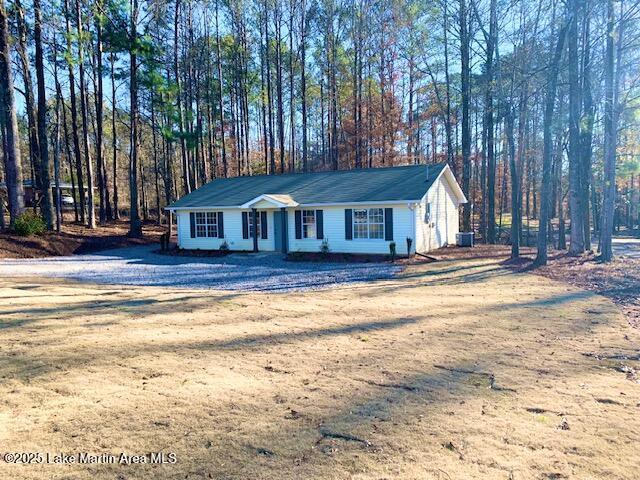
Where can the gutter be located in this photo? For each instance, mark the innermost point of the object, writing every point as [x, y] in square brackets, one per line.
[412, 208]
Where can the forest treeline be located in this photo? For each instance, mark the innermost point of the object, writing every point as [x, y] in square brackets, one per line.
[533, 104]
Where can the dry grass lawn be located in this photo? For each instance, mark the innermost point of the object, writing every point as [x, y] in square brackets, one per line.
[456, 369]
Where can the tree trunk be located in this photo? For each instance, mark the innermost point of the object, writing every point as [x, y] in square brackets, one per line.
[179, 93]
[30, 102]
[70, 160]
[610, 138]
[156, 167]
[91, 219]
[490, 151]
[545, 202]
[114, 138]
[586, 127]
[74, 115]
[46, 206]
[221, 99]
[576, 206]
[12, 168]
[135, 226]
[447, 123]
[515, 186]
[105, 209]
[466, 124]
[292, 103]
[263, 99]
[303, 86]
[280, 116]
[56, 155]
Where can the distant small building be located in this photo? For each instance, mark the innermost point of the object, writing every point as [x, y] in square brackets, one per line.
[353, 211]
[31, 193]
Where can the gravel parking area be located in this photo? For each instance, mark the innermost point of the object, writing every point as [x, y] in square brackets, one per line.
[243, 272]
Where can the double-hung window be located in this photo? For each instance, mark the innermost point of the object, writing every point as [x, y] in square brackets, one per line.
[206, 224]
[308, 224]
[251, 224]
[368, 223]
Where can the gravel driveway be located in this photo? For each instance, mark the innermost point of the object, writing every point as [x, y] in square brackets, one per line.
[244, 272]
[623, 246]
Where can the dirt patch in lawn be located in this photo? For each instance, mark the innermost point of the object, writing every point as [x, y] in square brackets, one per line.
[456, 369]
[76, 239]
[618, 280]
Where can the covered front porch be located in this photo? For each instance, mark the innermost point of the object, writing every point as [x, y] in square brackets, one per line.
[258, 212]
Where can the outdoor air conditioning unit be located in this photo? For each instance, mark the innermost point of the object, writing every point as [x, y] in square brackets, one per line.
[464, 239]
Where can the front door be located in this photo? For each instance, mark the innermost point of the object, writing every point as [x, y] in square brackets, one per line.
[277, 230]
[280, 230]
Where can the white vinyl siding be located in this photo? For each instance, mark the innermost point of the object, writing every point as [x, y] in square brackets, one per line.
[437, 218]
[429, 227]
[232, 219]
[334, 231]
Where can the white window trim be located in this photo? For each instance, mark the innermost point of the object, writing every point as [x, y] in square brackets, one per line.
[315, 225]
[206, 224]
[258, 224]
[368, 224]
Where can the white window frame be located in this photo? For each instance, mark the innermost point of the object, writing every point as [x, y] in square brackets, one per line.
[368, 223]
[258, 224]
[306, 214]
[206, 224]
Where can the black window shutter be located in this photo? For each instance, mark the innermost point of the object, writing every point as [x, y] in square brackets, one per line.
[220, 225]
[192, 221]
[388, 223]
[319, 225]
[263, 225]
[298, 224]
[245, 225]
[348, 225]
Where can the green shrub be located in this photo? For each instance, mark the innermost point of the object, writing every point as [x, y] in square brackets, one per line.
[324, 247]
[29, 223]
[224, 246]
[297, 255]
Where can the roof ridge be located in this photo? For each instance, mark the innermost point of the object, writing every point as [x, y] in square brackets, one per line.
[302, 187]
[334, 172]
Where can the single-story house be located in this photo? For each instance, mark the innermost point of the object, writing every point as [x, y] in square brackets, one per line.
[351, 211]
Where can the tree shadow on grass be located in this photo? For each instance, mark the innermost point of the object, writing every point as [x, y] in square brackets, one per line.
[447, 277]
[74, 360]
[137, 306]
[400, 399]
[371, 421]
[248, 342]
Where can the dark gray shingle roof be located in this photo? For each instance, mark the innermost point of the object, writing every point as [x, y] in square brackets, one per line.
[343, 186]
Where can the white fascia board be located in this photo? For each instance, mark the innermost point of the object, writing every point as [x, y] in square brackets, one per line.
[301, 205]
[452, 182]
[225, 207]
[343, 204]
[267, 198]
